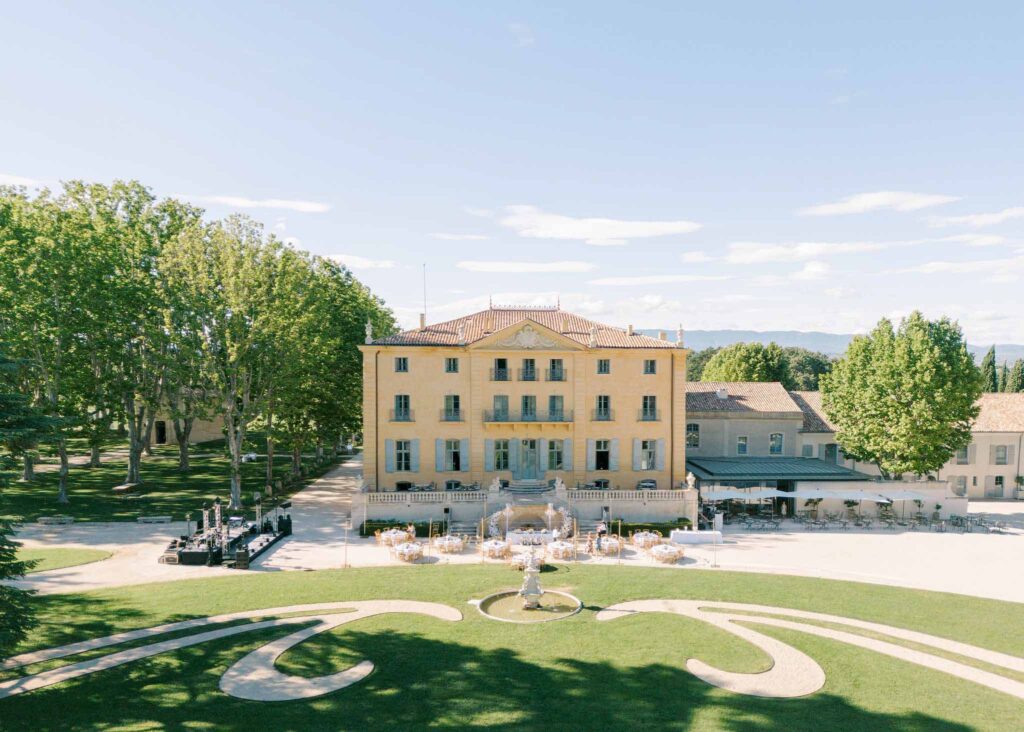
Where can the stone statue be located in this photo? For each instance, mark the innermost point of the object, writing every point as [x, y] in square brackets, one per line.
[461, 334]
[369, 331]
[679, 336]
[593, 336]
[531, 591]
[495, 486]
[559, 484]
[691, 481]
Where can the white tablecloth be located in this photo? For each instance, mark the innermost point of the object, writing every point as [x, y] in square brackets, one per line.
[645, 539]
[560, 549]
[494, 548]
[394, 536]
[610, 545]
[666, 553]
[530, 538]
[409, 551]
[695, 537]
[448, 544]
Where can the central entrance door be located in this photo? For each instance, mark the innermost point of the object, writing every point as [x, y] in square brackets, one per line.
[528, 459]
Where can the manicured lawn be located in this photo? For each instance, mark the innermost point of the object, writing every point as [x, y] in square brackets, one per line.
[166, 491]
[480, 674]
[47, 559]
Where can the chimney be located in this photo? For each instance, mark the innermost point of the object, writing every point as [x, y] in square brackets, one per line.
[423, 321]
[489, 322]
[722, 394]
[629, 329]
[662, 335]
[565, 325]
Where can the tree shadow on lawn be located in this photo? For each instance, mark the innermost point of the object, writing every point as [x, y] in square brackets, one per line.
[424, 682]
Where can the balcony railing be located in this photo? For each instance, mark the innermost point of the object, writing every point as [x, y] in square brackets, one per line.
[649, 415]
[555, 415]
[554, 374]
[452, 415]
[603, 415]
[527, 374]
[402, 415]
[500, 375]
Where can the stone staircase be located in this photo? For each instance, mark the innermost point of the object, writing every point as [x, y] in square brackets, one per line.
[528, 487]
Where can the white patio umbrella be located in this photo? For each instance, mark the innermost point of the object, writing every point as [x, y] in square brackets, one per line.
[903, 496]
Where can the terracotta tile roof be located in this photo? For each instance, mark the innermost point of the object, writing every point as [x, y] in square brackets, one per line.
[815, 419]
[742, 396]
[1000, 413]
[487, 322]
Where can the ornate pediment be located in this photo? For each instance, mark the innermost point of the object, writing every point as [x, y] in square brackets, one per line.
[528, 337]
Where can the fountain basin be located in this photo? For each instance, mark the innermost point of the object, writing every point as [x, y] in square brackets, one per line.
[508, 607]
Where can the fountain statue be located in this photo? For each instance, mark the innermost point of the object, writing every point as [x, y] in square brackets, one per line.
[531, 591]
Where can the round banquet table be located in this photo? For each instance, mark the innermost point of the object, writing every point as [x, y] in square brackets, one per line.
[611, 545]
[666, 553]
[449, 544]
[409, 551]
[393, 537]
[495, 548]
[561, 549]
[645, 539]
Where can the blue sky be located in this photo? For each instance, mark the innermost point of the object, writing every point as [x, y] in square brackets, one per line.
[722, 165]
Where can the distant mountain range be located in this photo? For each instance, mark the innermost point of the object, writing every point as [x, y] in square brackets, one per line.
[834, 344]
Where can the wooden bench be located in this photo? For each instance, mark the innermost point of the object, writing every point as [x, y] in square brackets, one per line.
[59, 520]
[154, 519]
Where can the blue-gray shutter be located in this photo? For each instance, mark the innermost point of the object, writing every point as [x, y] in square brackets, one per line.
[389, 456]
[636, 453]
[489, 455]
[542, 457]
[591, 454]
[439, 455]
[513, 458]
[1010, 454]
[414, 455]
[567, 454]
[464, 455]
[613, 458]
[659, 456]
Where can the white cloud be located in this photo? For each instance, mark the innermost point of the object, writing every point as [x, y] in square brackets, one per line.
[459, 237]
[531, 222]
[280, 224]
[998, 267]
[484, 213]
[17, 180]
[655, 280]
[695, 257]
[355, 262]
[522, 33]
[979, 220]
[522, 267]
[877, 200]
[840, 292]
[756, 252]
[243, 202]
[812, 271]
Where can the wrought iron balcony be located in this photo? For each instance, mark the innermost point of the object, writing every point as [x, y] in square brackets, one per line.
[603, 415]
[649, 415]
[555, 374]
[527, 374]
[500, 375]
[402, 415]
[555, 415]
[452, 415]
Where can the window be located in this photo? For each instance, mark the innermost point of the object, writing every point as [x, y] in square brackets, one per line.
[602, 455]
[556, 371]
[555, 456]
[962, 456]
[807, 451]
[556, 411]
[648, 454]
[452, 411]
[649, 409]
[500, 370]
[831, 453]
[999, 485]
[604, 407]
[529, 372]
[692, 434]
[501, 454]
[401, 364]
[452, 455]
[601, 484]
[500, 408]
[529, 407]
[1001, 454]
[604, 365]
[403, 456]
[650, 366]
[403, 485]
[452, 485]
[402, 411]
[451, 365]
[960, 485]
[775, 443]
[741, 445]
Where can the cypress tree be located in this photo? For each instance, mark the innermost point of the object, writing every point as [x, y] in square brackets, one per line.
[1015, 380]
[989, 375]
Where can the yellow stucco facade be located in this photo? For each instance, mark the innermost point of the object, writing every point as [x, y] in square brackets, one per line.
[500, 405]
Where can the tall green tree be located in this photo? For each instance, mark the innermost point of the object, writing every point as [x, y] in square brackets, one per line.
[227, 270]
[904, 398]
[17, 610]
[22, 426]
[1015, 379]
[749, 362]
[696, 362]
[989, 371]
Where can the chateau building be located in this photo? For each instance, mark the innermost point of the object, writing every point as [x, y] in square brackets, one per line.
[525, 396]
